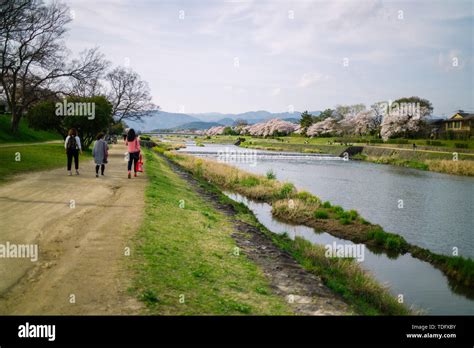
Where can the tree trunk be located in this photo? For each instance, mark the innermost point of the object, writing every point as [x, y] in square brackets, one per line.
[15, 123]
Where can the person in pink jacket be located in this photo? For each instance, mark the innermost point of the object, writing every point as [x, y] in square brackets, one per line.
[133, 144]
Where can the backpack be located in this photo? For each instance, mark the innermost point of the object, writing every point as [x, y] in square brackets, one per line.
[71, 143]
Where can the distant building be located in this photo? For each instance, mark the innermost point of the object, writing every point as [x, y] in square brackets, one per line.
[459, 126]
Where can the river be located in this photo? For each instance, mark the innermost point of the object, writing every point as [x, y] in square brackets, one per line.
[431, 210]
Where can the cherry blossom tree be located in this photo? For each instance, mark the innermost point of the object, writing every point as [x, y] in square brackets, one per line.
[218, 130]
[270, 127]
[406, 116]
[328, 126]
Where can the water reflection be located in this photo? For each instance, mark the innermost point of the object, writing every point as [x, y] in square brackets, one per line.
[423, 286]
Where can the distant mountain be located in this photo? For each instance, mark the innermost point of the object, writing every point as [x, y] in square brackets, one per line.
[162, 120]
[292, 120]
[169, 120]
[250, 116]
[226, 121]
[209, 116]
[198, 125]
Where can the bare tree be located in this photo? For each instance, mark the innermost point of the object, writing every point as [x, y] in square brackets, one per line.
[33, 56]
[129, 95]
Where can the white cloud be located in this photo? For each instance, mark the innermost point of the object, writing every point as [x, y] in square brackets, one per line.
[191, 60]
[275, 92]
[309, 79]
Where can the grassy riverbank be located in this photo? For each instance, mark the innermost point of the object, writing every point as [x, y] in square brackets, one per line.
[440, 162]
[344, 276]
[426, 157]
[436, 161]
[185, 257]
[16, 160]
[303, 208]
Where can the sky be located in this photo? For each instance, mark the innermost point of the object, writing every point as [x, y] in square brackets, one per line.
[278, 55]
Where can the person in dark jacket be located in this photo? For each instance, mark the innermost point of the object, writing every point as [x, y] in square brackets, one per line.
[72, 145]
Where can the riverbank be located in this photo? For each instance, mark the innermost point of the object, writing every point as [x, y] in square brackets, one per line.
[304, 208]
[441, 162]
[442, 159]
[194, 257]
[436, 161]
[343, 276]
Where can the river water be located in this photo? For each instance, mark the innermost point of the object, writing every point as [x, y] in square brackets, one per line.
[431, 210]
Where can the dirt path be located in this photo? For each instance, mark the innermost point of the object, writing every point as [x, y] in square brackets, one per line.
[81, 249]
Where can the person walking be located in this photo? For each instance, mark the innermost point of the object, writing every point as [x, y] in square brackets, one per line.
[133, 144]
[72, 145]
[100, 153]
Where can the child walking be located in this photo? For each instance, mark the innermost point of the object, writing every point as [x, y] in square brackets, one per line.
[100, 153]
[72, 144]
[133, 144]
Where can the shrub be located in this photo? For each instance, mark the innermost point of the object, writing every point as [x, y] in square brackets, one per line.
[345, 221]
[388, 240]
[392, 243]
[377, 234]
[326, 205]
[321, 214]
[270, 175]
[461, 145]
[337, 209]
[145, 137]
[286, 190]
[353, 214]
[308, 198]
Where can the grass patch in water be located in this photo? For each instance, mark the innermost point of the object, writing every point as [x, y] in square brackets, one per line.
[321, 214]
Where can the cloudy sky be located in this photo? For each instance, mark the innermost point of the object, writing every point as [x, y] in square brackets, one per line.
[202, 56]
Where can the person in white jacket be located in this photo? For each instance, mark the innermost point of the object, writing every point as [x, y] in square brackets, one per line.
[72, 144]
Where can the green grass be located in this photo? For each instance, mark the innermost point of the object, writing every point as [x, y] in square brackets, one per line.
[270, 175]
[184, 251]
[299, 208]
[321, 214]
[388, 240]
[401, 162]
[344, 276]
[33, 158]
[25, 134]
